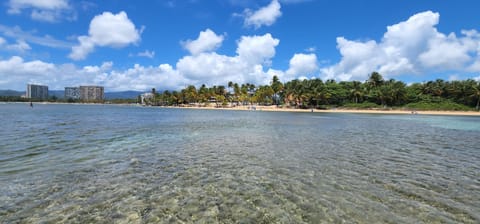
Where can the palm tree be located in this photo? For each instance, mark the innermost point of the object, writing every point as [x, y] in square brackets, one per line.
[427, 88]
[356, 91]
[244, 97]
[336, 92]
[221, 91]
[251, 87]
[434, 88]
[316, 89]
[476, 94]
[323, 95]
[384, 94]
[154, 94]
[176, 97]
[190, 94]
[229, 93]
[236, 92]
[375, 80]
[439, 87]
[302, 92]
[264, 94]
[290, 91]
[167, 98]
[251, 91]
[276, 86]
[203, 94]
[398, 92]
[461, 91]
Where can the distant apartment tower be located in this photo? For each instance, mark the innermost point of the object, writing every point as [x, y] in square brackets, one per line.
[92, 93]
[72, 93]
[37, 92]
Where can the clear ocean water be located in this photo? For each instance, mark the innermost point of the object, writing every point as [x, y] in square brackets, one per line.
[126, 164]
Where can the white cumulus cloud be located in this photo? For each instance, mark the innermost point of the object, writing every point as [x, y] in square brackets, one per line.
[445, 52]
[265, 16]
[257, 49]
[147, 54]
[16, 73]
[15, 6]
[16, 65]
[207, 41]
[254, 54]
[413, 46]
[302, 65]
[475, 67]
[20, 47]
[43, 10]
[250, 64]
[106, 30]
[294, 1]
[208, 66]
[32, 37]
[141, 78]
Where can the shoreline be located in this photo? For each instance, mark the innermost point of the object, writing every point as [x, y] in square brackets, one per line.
[346, 111]
[274, 108]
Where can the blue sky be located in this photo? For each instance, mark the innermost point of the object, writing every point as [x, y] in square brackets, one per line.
[139, 45]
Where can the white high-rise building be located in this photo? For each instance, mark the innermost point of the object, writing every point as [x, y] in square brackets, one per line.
[37, 92]
[72, 93]
[92, 93]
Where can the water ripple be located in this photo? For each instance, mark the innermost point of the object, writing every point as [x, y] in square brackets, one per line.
[117, 164]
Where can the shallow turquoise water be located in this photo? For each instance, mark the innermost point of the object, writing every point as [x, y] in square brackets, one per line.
[122, 164]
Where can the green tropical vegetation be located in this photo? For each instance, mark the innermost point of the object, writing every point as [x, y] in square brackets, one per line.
[23, 99]
[375, 92]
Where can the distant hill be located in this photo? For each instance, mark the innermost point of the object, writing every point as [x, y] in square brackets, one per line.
[122, 95]
[11, 93]
[60, 94]
[57, 93]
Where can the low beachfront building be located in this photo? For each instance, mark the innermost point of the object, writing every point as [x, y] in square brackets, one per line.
[146, 98]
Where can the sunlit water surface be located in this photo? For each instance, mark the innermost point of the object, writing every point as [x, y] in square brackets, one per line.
[125, 164]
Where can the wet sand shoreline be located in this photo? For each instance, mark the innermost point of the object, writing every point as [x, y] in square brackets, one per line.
[339, 110]
[284, 109]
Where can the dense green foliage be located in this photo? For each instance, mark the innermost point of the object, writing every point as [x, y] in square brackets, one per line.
[22, 99]
[121, 101]
[316, 93]
[13, 99]
[438, 104]
[363, 105]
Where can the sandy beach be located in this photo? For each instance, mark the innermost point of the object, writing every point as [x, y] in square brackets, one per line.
[274, 108]
[360, 111]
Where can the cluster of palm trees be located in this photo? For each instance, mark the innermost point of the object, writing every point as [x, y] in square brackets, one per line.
[219, 95]
[310, 93]
[315, 92]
